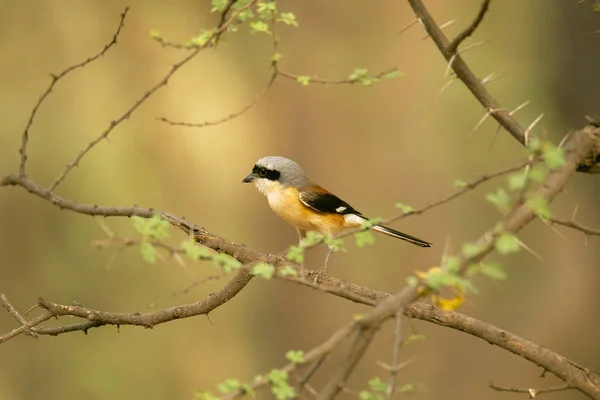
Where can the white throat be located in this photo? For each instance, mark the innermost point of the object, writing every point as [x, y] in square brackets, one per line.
[266, 186]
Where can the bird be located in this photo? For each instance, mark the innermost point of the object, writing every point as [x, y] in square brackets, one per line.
[307, 206]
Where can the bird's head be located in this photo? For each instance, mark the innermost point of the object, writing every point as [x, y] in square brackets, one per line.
[272, 173]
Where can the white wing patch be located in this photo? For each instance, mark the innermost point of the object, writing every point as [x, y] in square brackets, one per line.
[353, 220]
[341, 209]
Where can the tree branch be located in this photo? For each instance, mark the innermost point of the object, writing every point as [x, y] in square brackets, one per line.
[471, 29]
[464, 73]
[533, 393]
[577, 147]
[590, 163]
[574, 375]
[577, 226]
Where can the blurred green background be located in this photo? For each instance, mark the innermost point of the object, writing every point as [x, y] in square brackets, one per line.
[400, 140]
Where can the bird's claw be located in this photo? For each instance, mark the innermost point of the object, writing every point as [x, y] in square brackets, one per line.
[317, 274]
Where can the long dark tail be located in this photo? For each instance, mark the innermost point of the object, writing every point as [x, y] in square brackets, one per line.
[399, 235]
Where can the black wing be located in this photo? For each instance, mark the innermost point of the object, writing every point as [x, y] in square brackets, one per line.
[326, 202]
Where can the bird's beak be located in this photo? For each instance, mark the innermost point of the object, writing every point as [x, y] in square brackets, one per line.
[248, 179]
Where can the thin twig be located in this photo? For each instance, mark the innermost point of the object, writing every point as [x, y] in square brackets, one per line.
[575, 225]
[15, 314]
[55, 79]
[229, 117]
[395, 366]
[347, 81]
[309, 374]
[470, 29]
[361, 341]
[127, 114]
[533, 393]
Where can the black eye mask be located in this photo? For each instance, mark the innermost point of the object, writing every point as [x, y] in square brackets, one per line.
[262, 172]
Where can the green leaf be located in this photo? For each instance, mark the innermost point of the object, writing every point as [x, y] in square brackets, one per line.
[554, 157]
[288, 19]
[438, 278]
[518, 180]
[539, 205]
[279, 385]
[153, 228]
[368, 81]
[410, 388]
[248, 390]
[226, 262]
[369, 223]
[287, 271]
[201, 39]
[507, 243]
[493, 270]
[195, 251]
[229, 386]
[364, 238]
[337, 244]
[313, 238]
[471, 249]
[263, 270]
[358, 74]
[277, 376]
[296, 254]
[276, 57]
[283, 392]
[148, 251]
[538, 173]
[377, 385]
[303, 80]
[405, 208]
[451, 264]
[459, 184]
[500, 199]
[596, 7]
[204, 395]
[413, 338]
[218, 5]
[154, 34]
[259, 26]
[534, 144]
[393, 74]
[412, 281]
[295, 356]
[244, 15]
[364, 395]
[266, 9]
[464, 284]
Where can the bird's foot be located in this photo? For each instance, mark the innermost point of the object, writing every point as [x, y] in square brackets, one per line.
[317, 274]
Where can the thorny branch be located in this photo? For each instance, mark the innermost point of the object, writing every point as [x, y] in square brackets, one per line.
[588, 164]
[577, 226]
[576, 148]
[464, 73]
[574, 375]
